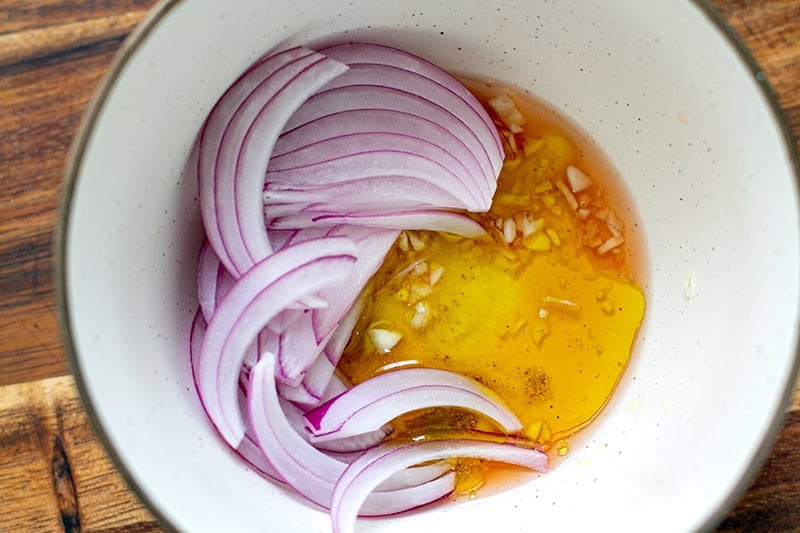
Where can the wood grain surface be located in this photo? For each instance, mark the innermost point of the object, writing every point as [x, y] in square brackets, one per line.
[54, 473]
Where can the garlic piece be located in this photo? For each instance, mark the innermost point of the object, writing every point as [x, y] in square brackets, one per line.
[578, 180]
[383, 339]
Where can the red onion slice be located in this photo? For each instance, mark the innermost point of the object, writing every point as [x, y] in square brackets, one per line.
[374, 193]
[304, 142]
[213, 280]
[378, 400]
[372, 53]
[301, 342]
[280, 323]
[299, 394]
[235, 146]
[371, 154]
[250, 453]
[256, 148]
[297, 348]
[372, 244]
[196, 335]
[359, 443]
[329, 102]
[444, 221]
[209, 150]
[344, 450]
[208, 266]
[438, 95]
[312, 473]
[386, 67]
[340, 337]
[377, 464]
[248, 450]
[319, 375]
[263, 292]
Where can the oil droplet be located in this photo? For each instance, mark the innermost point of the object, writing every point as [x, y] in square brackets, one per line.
[562, 447]
[469, 477]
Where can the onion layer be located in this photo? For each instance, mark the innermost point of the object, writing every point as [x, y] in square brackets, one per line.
[311, 472]
[376, 401]
[235, 145]
[262, 293]
[369, 470]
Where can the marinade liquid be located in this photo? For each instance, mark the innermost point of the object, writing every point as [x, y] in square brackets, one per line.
[544, 312]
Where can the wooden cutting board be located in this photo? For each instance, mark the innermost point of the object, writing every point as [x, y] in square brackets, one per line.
[54, 473]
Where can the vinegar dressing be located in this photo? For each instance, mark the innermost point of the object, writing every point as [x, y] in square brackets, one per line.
[544, 312]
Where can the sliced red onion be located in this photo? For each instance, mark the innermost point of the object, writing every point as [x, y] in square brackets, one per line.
[358, 443]
[316, 385]
[196, 335]
[208, 266]
[280, 322]
[372, 194]
[406, 99]
[300, 394]
[263, 292]
[310, 391]
[367, 126]
[281, 238]
[377, 464]
[412, 476]
[444, 221]
[213, 280]
[464, 117]
[290, 336]
[298, 235]
[372, 53]
[371, 154]
[311, 472]
[344, 450]
[253, 160]
[209, 148]
[235, 146]
[336, 386]
[340, 337]
[378, 400]
[321, 371]
[372, 244]
[296, 351]
[249, 451]
[302, 341]
[382, 66]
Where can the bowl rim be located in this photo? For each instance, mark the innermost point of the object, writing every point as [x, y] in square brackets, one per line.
[75, 163]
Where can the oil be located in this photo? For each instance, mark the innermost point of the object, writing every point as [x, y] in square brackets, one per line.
[544, 312]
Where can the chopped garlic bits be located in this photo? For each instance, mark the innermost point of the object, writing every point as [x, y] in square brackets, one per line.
[508, 112]
[578, 181]
[383, 339]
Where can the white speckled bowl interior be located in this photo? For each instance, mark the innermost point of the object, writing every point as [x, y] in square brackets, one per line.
[659, 86]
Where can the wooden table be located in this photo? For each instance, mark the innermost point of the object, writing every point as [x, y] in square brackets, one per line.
[54, 473]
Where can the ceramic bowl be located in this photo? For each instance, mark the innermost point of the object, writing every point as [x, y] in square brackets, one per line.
[662, 87]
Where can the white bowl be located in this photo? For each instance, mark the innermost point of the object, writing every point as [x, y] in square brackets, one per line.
[663, 88]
